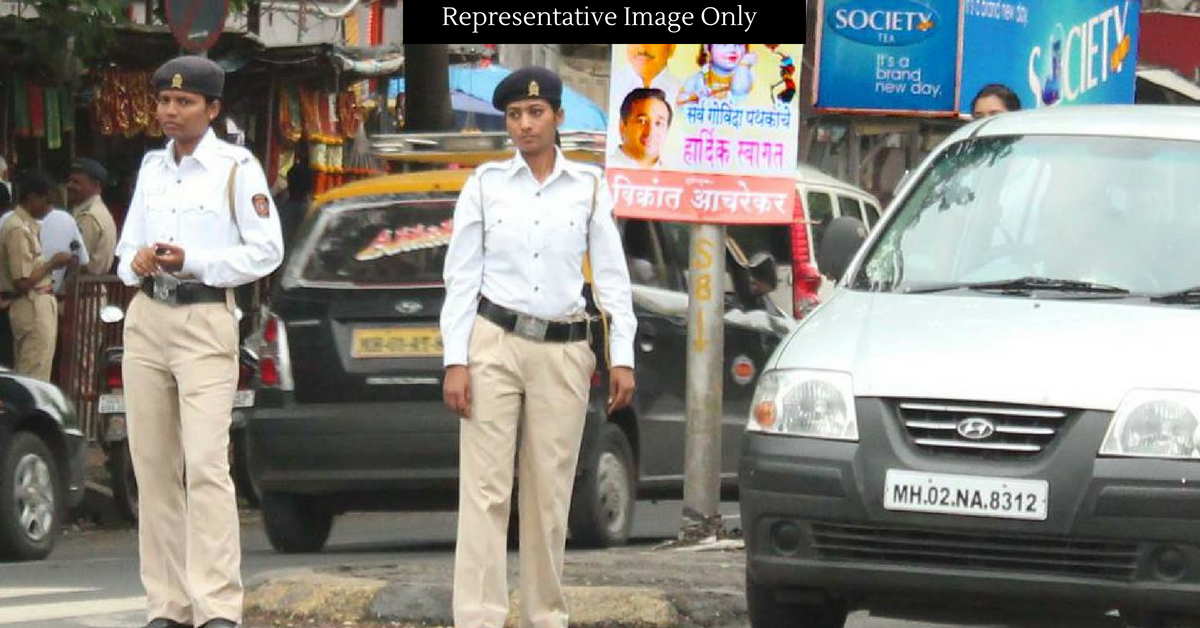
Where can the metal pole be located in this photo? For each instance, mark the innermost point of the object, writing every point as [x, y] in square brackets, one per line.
[706, 350]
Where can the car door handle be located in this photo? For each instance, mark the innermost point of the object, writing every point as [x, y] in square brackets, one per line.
[647, 336]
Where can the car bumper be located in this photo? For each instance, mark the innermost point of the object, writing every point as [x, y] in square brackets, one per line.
[76, 449]
[1118, 533]
[369, 449]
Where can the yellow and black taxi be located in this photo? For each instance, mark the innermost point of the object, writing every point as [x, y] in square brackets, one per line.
[349, 415]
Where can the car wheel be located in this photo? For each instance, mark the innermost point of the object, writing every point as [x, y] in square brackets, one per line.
[239, 466]
[294, 523]
[602, 507]
[767, 612]
[31, 507]
[123, 481]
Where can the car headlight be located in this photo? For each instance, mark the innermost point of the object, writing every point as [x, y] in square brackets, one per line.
[1155, 424]
[816, 404]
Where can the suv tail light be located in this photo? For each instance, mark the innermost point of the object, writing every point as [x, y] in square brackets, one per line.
[806, 282]
[274, 358]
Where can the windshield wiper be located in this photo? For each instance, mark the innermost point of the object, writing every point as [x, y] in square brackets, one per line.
[1025, 284]
[1187, 295]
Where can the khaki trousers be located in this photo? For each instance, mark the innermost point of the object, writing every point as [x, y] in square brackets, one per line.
[535, 393]
[34, 320]
[180, 373]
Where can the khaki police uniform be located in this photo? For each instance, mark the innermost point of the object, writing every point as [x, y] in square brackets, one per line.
[180, 361]
[99, 234]
[514, 315]
[33, 315]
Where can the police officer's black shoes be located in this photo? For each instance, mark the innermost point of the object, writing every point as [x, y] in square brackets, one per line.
[162, 622]
[219, 623]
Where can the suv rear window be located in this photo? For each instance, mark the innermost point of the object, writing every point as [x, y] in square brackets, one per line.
[387, 244]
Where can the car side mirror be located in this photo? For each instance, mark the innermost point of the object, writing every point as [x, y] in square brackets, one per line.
[111, 314]
[838, 246]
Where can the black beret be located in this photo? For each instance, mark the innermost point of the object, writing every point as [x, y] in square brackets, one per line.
[530, 82]
[190, 73]
[91, 168]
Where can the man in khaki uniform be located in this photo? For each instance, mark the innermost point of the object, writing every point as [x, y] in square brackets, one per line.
[91, 214]
[25, 282]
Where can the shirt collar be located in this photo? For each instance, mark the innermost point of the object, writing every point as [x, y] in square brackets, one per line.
[205, 153]
[561, 165]
[86, 205]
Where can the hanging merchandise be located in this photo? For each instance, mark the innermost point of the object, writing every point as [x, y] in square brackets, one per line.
[291, 121]
[124, 104]
[37, 109]
[53, 118]
[23, 127]
[66, 105]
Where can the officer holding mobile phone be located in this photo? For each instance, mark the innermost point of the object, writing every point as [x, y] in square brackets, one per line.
[201, 223]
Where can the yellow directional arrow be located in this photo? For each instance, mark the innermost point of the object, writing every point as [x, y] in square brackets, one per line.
[699, 342]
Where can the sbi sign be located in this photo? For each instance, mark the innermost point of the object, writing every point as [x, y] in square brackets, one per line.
[886, 22]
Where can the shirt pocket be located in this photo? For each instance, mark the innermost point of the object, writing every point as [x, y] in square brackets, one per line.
[567, 231]
[160, 217]
[502, 233]
[201, 215]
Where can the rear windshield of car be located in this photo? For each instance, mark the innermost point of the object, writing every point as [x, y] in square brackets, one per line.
[380, 245]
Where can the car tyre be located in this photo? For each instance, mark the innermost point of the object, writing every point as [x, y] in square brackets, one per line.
[601, 512]
[767, 612]
[123, 481]
[31, 499]
[294, 523]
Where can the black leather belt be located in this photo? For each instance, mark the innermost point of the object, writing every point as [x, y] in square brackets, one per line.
[183, 292]
[531, 327]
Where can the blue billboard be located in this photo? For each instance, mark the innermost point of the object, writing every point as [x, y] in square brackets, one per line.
[888, 55]
[1051, 53]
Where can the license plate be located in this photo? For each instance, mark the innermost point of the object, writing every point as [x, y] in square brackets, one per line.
[111, 404]
[243, 399]
[396, 342]
[972, 496]
[115, 404]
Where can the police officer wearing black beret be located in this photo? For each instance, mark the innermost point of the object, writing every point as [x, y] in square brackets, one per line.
[201, 223]
[516, 351]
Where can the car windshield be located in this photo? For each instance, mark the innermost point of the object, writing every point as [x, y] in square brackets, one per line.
[382, 244]
[1058, 213]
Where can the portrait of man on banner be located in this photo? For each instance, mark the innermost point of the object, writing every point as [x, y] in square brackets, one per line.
[703, 131]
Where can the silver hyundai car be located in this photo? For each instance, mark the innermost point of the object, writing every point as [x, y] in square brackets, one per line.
[995, 417]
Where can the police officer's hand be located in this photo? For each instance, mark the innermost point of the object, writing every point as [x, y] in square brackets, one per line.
[61, 259]
[620, 387]
[169, 257]
[143, 263]
[456, 390]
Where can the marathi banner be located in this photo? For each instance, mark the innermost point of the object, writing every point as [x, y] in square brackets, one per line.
[704, 132]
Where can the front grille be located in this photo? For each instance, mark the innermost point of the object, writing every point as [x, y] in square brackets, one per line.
[1095, 559]
[1004, 431]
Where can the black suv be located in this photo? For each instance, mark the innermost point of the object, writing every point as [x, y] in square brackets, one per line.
[42, 452]
[348, 413]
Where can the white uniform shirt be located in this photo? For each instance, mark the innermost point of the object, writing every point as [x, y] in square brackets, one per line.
[58, 231]
[536, 236]
[187, 204]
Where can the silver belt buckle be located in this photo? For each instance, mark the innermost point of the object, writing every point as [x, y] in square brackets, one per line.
[165, 287]
[531, 327]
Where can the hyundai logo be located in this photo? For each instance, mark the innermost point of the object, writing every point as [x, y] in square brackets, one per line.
[975, 428]
[409, 307]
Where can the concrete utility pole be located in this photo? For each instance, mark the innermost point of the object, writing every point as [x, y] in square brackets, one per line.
[706, 351]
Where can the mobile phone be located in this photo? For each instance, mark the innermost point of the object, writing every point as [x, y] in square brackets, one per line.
[162, 250]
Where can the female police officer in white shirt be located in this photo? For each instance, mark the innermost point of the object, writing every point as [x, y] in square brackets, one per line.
[201, 223]
[516, 351]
